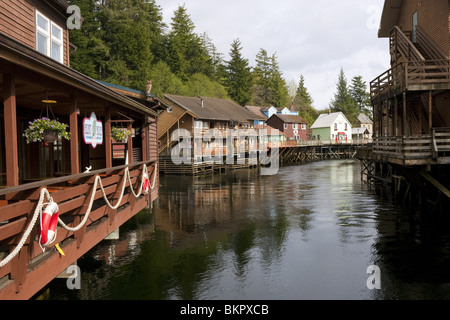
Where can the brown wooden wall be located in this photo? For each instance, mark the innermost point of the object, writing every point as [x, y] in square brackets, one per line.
[168, 119]
[18, 21]
[153, 132]
[433, 18]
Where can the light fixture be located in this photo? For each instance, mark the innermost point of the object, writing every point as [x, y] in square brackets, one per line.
[47, 100]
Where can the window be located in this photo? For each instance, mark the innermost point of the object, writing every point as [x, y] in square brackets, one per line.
[295, 126]
[49, 38]
[346, 127]
[303, 126]
[335, 127]
[285, 125]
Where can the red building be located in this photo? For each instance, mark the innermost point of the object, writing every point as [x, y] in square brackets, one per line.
[294, 127]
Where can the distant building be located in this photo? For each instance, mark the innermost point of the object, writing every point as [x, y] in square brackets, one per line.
[293, 126]
[332, 127]
[198, 115]
[365, 123]
[261, 117]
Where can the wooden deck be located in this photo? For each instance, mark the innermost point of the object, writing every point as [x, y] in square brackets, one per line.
[415, 150]
[89, 209]
[289, 152]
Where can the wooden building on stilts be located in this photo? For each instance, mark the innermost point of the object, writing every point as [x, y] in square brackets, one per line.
[75, 185]
[411, 104]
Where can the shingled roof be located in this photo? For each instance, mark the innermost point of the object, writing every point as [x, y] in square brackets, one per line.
[205, 108]
[290, 118]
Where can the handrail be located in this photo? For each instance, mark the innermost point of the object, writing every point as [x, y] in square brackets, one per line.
[401, 43]
[406, 74]
[54, 181]
[429, 46]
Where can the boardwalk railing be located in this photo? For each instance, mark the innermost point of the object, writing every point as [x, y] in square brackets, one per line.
[75, 195]
[418, 147]
[441, 141]
[413, 75]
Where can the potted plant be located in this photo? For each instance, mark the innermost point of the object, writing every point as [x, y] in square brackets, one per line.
[46, 130]
[120, 135]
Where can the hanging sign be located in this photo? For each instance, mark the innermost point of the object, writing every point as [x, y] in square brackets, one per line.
[92, 131]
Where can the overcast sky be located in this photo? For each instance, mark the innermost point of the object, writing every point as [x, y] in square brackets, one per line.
[310, 38]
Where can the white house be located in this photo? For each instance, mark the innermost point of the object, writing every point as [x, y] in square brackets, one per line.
[332, 126]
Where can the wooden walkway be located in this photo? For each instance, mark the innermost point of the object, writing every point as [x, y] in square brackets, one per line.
[291, 152]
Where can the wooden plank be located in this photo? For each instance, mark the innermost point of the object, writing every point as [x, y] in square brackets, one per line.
[13, 228]
[15, 210]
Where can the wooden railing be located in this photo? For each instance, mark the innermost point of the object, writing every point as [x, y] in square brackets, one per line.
[416, 147]
[73, 196]
[410, 75]
[441, 141]
[400, 42]
[430, 48]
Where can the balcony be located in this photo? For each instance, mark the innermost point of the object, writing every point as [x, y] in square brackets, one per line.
[415, 150]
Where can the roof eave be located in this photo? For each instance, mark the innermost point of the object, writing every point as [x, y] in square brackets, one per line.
[389, 18]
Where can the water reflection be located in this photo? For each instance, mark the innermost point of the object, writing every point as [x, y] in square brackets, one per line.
[309, 232]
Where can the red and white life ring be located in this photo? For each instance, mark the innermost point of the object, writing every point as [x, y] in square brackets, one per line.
[146, 183]
[49, 222]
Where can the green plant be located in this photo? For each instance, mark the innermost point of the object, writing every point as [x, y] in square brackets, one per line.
[119, 134]
[35, 131]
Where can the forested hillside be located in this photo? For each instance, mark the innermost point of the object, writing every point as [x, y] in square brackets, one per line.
[127, 43]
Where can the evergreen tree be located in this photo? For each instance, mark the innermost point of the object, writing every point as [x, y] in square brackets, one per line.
[91, 52]
[358, 91]
[303, 102]
[302, 96]
[239, 77]
[278, 85]
[343, 100]
[185, 52]
[270, 88]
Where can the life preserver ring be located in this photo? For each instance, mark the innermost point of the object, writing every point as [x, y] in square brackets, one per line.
[146, 183]
[49, 222]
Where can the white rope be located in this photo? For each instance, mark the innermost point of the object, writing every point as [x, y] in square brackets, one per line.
[44, 193]
[154, 176]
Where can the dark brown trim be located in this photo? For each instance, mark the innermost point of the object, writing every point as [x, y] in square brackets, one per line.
[12, 157]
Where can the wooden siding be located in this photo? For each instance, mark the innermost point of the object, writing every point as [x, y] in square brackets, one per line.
[18, 21]
[168, 119]
[433, 18]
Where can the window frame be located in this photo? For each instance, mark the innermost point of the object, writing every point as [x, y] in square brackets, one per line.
[49, 37]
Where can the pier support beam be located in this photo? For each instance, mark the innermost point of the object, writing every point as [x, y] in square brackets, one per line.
[11, 148]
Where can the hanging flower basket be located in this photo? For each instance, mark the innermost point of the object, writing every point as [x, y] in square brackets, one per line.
[50, 136]
[120, 135]
[46, 130]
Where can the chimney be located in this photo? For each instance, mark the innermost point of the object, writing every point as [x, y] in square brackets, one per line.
[201, 99]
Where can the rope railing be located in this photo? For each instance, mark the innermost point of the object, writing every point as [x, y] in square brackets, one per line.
[45, 194]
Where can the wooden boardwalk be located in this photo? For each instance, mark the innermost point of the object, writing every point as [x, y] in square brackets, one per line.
[289, 153]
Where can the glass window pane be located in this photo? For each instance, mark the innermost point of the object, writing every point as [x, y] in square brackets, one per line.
[42, 22]
[42, 44]
[56, 51]
[56, 32]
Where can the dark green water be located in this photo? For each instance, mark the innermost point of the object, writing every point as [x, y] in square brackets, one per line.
[310, 232]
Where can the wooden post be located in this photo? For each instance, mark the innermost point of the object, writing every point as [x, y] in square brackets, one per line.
[430, 111]
[74, 159]
[108, 146]
[395, 126]
[130, 144]
[404, 114]
[11, 148]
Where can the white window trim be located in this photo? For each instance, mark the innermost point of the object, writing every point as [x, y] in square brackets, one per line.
[49, 37]
[59, 42]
